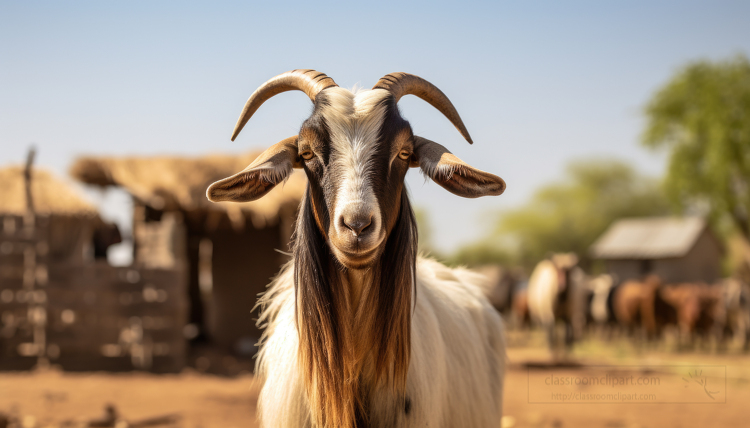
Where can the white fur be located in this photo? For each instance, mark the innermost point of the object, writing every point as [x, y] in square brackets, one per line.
[542, 293]
[457, 364]
[600, 286]
[354, 120]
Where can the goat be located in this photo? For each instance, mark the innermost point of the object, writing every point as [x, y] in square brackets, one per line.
[556, 292]
[500, 286]
[736, 311]
[600, 306]
[360, 331]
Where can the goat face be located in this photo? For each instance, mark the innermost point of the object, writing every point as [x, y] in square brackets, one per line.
[355, 149]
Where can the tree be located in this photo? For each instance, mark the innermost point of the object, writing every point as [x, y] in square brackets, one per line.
[571, 215]
[484, 252]
[702, 116]
[424, 230]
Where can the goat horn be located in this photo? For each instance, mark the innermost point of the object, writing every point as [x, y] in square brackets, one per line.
[400, 84]
[310, 82]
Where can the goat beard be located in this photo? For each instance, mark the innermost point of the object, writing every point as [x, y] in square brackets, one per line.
[348, 351]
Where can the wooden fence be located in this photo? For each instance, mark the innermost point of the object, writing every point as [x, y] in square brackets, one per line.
[85, 316]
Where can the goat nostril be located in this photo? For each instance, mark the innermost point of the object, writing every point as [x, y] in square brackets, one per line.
[358, 224]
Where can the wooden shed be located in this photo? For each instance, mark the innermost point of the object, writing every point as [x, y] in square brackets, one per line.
[71, 220]
[678, 249]
[61, 303]
[229, 251]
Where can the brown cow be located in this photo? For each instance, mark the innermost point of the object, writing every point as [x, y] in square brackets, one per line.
[637, 306]
[520, 308]
[699, 310]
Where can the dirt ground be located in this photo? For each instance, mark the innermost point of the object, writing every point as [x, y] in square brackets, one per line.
[51, 398]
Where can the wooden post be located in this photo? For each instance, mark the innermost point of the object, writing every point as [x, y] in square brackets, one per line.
[36, 299]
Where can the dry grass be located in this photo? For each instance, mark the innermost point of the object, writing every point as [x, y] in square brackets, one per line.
[181, 182]
[50, 195]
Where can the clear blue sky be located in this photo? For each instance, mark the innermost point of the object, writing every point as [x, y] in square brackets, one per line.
[537, 83]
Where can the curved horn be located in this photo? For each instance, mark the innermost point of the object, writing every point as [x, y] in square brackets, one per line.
[400, 84]
[310, 82]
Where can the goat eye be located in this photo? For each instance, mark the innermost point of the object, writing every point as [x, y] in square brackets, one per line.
[306, 155]
[404, 154]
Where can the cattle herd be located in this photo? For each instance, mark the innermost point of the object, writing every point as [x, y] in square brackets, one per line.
[560, 297]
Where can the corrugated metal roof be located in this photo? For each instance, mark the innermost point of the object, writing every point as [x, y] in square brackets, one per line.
[648, 238]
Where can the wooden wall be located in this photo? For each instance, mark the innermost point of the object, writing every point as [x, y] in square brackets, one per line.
[243, 264]
[701, 263]
[85, 316]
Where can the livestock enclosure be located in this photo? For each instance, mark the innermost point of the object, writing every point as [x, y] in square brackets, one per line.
[227, 252]
[196, 272]
[61, 303]
[84, 315]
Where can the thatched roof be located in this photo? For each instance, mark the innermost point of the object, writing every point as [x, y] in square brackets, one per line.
[180, 183]
[50, 195]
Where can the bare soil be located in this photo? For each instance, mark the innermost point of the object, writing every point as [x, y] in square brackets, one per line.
[49, 398]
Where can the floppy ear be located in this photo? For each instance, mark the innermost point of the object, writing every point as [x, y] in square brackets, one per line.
[267, 170]
[452, 173]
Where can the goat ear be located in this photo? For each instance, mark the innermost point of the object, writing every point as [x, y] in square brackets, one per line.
[452, 173]
[267, 170]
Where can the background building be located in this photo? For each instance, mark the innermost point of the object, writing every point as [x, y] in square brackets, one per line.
[229, 251]
[676, 249]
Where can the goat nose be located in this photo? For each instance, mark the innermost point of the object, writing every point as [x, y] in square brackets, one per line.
[357, 223]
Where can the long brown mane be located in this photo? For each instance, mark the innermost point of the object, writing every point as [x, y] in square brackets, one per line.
[345, 350]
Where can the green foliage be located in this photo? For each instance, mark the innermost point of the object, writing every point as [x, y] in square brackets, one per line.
[702, 116]
[424, 229]
[570, 215]
[476, 254]
[481, 253]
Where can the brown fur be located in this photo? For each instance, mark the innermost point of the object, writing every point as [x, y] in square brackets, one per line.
[521, 308]
[698, 307]
[634, 304]
[345, 351]
[354, 339]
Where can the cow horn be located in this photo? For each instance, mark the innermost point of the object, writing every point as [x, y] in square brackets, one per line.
[310, 82]
[400, 84]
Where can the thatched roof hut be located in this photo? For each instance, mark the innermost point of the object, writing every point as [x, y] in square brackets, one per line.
[227, 249]
[60, 303]
[68, 223]
[50, 195]
[180, 183]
